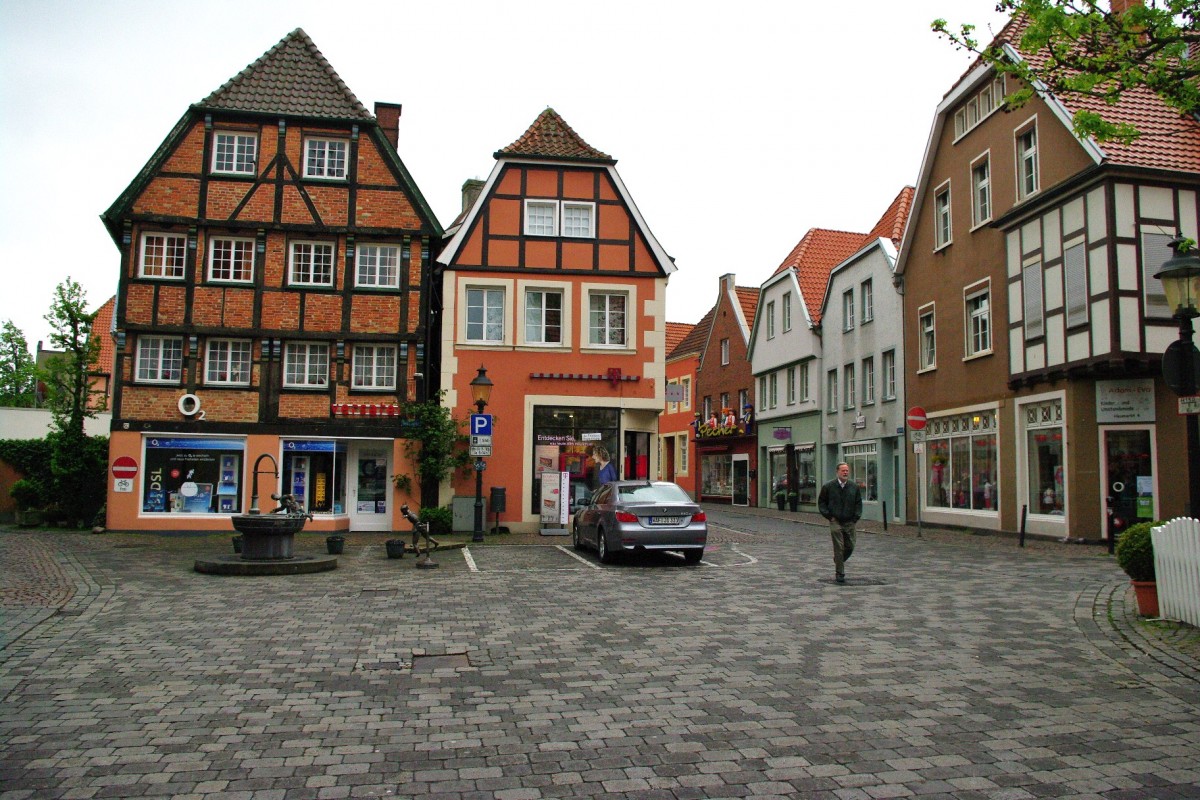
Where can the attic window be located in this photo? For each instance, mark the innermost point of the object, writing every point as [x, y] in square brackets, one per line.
[325, 158]
[979, 107]
[234, 153]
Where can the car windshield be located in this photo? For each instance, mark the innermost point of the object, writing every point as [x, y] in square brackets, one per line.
[653, 493]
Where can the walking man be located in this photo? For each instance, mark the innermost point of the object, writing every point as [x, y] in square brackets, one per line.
[840, 502]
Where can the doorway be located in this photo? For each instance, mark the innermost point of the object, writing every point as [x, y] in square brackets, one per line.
[637, 456]
[1129, 485]
[369, 487]
[741, 480]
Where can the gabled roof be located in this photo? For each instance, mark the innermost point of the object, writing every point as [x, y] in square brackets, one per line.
[102, 329]
[891, 224]
[551, 137]
[676, 333]
[693, 343]
[814, 257]
[291, 78]
[748, 299]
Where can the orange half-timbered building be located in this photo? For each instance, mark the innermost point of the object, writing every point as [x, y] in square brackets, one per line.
[274, 262]
[553, 282]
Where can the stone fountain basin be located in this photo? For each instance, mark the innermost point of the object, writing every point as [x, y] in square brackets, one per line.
[268, 537]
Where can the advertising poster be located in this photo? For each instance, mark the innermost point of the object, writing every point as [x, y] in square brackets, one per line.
[181, 473]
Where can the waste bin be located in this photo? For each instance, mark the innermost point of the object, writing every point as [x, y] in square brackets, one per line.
[497, 500]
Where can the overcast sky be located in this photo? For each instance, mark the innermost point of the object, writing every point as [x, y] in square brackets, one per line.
[736, 126]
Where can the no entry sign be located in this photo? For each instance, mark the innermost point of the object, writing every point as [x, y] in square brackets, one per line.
[916, 418]
[125, 467]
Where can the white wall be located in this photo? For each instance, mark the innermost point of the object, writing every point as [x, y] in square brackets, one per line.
[35, 423]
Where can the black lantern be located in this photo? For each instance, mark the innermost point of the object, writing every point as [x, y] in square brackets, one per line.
[481, 392]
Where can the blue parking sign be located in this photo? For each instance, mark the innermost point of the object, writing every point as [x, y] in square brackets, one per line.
[481, 424]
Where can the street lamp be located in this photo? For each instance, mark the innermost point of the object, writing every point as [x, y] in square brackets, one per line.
[481, 392]
[1180, 277]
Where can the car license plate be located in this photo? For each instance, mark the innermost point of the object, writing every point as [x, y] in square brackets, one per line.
[666, 520]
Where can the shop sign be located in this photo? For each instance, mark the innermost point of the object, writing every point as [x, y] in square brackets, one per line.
[1189, 404]
[783, 434]
[549, 438]
[1125, 401]
[591, 437]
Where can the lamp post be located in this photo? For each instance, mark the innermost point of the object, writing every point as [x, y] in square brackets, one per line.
[481, 392]
[1180, 277]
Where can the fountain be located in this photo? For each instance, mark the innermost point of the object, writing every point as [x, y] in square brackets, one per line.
[268, 539]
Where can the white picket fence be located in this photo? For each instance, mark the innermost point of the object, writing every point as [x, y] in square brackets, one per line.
[1177, 569]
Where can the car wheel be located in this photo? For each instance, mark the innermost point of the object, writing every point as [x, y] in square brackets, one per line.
[693, 556]
[602, 547]
[576, 540]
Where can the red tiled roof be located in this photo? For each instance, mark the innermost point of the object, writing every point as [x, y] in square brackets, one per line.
[1169, 140]
[550, 136]
[693, 343]
[102, 330]
[891, 224]
[676, 333]
[748, 299]
[290, 78]
[814, 257]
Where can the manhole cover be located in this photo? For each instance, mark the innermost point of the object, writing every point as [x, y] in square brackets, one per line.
[855, 582]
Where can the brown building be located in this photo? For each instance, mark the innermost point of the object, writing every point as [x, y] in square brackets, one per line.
[274, 258]
[1034, 326]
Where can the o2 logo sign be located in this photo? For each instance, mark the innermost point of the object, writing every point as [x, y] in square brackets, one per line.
[189, 406]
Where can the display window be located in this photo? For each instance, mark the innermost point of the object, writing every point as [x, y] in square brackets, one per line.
[314, 473]
[192, 475]
[564, 440]
[1044, 457]
[806, 471]
[863, 460]
[962, 462]
[717, 475]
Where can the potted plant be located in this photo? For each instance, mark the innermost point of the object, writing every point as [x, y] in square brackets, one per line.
[335, 544]
[1135, 555]
[793, 500]
[27, 495]
[781, 492]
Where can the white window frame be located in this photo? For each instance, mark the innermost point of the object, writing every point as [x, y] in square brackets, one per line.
[684, 454]
[1028, 175]
[549, 218]
[979, 107]
[377, 265]
[1075, 283]
[868, 381]
[571, 231]
[686, 383]
[831, 390]
[867, 293]
[848, 310]
[889, 374]
[488, 296]
[1032, 299]
[1153, 241]
[236, 243]
[790, 379]
[787, 311]
[724, 352]
[762, 392]
[743, 399]
[977, 320]
[771, 320]
[237, 157]
[155, 364]
[543, 292]
[218, 363]
[605, 331]
[805, 388]
[981, 189]
[312, 248]
[374, 367]
[174, 243]
[927, 338]
[849, 386]
[943, 218]
[323, 169]
[773, 390]
[312, 354]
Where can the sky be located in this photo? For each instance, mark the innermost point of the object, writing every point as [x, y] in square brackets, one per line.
[736, 127]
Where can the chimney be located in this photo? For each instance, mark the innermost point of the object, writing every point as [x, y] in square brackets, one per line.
[1121, 6]
[470, 192]
[388, 115]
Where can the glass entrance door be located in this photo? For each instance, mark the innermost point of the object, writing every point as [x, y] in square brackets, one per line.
[741, 480]
[1128, 473]
[370, 488]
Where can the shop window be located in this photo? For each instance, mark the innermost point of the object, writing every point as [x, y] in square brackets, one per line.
[314, 472]
[962, 461]
[193, 475]
[564, 439]
[1044, 456]
[863, 460]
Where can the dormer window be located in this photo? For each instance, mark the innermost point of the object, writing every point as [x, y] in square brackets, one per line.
[325, 158]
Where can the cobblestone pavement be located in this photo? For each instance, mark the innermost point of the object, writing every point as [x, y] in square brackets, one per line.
[950, 666]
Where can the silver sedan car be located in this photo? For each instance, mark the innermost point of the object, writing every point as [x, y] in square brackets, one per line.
[627, 516]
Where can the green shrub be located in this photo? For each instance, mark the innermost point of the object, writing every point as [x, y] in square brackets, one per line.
[27, 494]
[441, 520]
[1135, 552]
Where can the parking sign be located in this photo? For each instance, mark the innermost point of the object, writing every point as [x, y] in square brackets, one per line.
[481, 424]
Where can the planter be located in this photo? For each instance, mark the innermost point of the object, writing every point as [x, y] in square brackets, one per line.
[395, 548]
[237, 544]
[335, 544]
[1146, 593]
[780, 502]
[794, 504]
[29, 518]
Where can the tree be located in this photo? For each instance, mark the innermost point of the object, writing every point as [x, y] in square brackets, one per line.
[77, 461]
[66, 375]
[18, 375]
[1098, 50]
